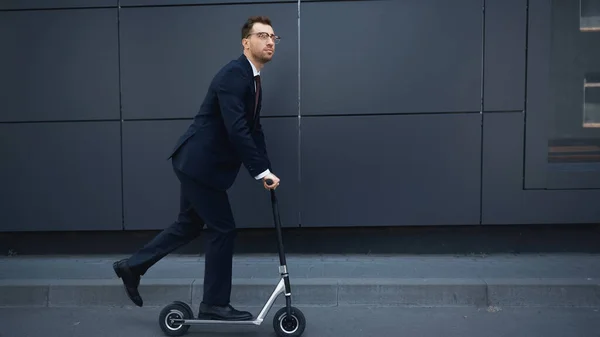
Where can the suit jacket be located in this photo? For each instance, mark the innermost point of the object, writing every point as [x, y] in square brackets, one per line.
[225, 132]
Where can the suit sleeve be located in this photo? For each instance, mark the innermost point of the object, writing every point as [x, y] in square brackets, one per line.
[230, 93]
[259, 138]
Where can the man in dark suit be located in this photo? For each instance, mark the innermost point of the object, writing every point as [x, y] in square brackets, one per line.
[224, 134]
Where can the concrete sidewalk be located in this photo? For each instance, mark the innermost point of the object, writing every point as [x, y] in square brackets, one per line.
[480, 281]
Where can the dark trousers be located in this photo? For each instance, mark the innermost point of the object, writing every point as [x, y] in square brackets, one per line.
[199, 205]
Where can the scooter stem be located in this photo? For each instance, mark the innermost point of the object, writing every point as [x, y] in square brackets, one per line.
[282, 262]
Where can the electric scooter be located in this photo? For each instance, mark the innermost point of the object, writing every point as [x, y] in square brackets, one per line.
[176, 318]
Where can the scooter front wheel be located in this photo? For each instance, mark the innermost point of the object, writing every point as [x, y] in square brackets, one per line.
[289, 326]
[174, 311]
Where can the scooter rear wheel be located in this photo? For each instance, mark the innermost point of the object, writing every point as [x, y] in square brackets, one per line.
[175, 310]
[289, 326]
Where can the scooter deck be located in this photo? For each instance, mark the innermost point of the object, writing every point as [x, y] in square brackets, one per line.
[254, 321]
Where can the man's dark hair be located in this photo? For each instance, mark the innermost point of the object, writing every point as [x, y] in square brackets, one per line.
[251, 21]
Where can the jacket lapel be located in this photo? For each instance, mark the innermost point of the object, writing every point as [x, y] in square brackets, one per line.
[252, 116]
[248, 68]
[243, 61]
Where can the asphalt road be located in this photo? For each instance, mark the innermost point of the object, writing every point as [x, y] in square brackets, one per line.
[321, 322]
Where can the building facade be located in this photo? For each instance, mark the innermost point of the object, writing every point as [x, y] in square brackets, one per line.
[376, 113]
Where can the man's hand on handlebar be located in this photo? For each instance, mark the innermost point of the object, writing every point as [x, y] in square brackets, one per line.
[270, 181]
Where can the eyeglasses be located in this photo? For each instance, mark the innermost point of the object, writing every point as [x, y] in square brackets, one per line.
[264, 36]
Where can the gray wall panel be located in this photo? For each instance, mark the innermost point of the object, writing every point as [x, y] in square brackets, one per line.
[538, 90]
[60, 176]
[559, 58]
[140, 3]
[391, 56]
[169, 55]
[391, 170]
[574, 176]
[59, 65]
[46, 4]
[574, 55]
[505, 201]
[561, 206]
[505, 45]
[502, 186]
[151, 189]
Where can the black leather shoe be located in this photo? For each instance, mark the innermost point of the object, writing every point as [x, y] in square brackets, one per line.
[131, 281]
[225, 313]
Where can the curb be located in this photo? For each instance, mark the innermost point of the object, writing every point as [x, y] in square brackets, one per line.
[428, 292]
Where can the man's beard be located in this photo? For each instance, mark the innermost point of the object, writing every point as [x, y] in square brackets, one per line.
[263, 58]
